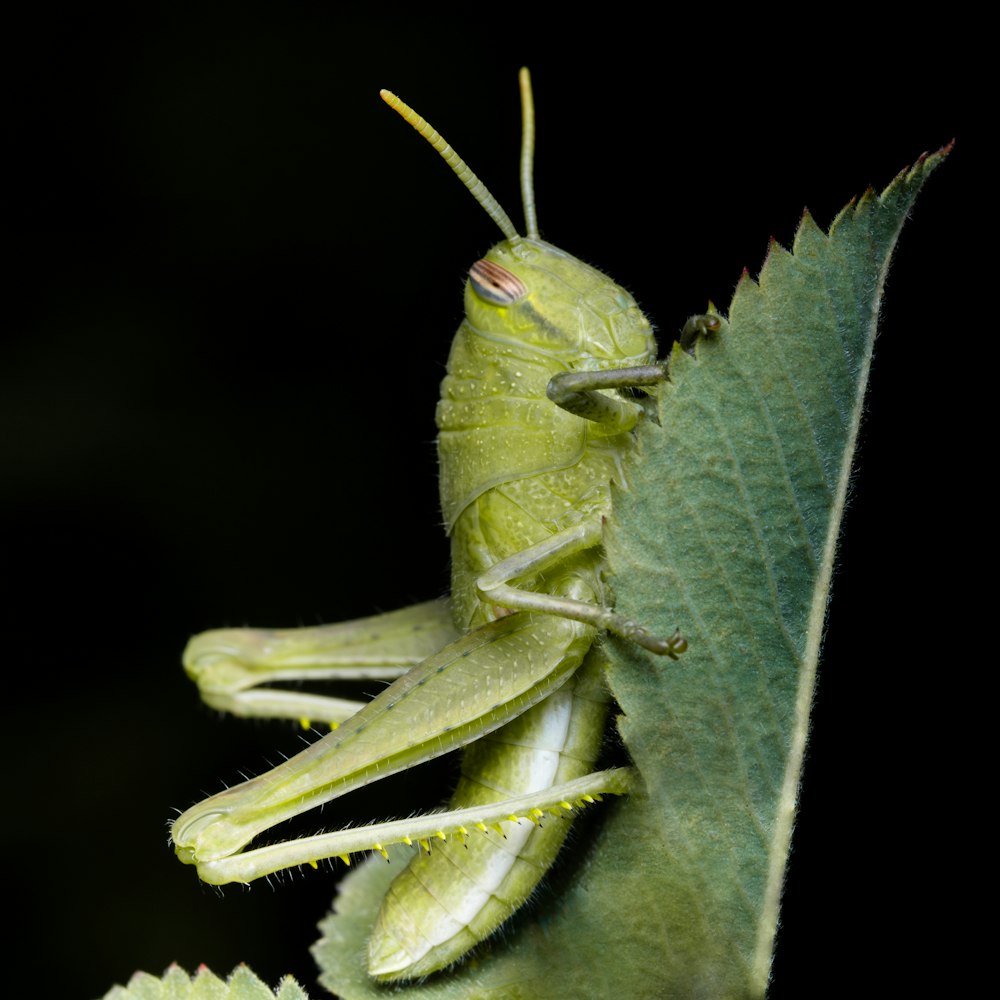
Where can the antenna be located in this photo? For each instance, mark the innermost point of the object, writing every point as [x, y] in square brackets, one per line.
[476, 187]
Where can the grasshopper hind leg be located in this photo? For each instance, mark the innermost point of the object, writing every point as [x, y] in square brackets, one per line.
[236, 668]
[457, 892]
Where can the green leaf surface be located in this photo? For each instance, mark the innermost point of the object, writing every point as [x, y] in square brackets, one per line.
[728, 529]
[176, 984]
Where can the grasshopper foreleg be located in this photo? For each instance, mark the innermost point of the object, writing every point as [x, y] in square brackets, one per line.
[579, 393]
[702, 325]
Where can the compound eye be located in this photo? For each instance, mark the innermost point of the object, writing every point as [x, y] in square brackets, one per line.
[496, 284]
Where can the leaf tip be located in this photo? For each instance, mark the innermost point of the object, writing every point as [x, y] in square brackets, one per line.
[918, 173]
[925, 162]
[866, 196]
[807, 232]
[774, 249]
[745, 286]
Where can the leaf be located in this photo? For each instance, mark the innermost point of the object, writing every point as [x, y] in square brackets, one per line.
[728, 529]
[176, 984]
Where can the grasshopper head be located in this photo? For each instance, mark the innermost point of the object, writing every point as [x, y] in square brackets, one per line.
[539, 297]
[532, 294]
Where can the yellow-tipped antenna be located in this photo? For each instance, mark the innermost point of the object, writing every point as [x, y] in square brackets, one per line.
[528, 153]
[476, 187]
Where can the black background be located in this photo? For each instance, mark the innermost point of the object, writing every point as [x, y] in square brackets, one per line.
[236, 278]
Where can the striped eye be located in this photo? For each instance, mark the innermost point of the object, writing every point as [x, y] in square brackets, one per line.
[496, 284]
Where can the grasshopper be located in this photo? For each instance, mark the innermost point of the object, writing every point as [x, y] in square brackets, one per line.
[544, 388]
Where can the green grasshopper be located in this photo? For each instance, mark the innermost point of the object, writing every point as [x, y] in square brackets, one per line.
[542, 394]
